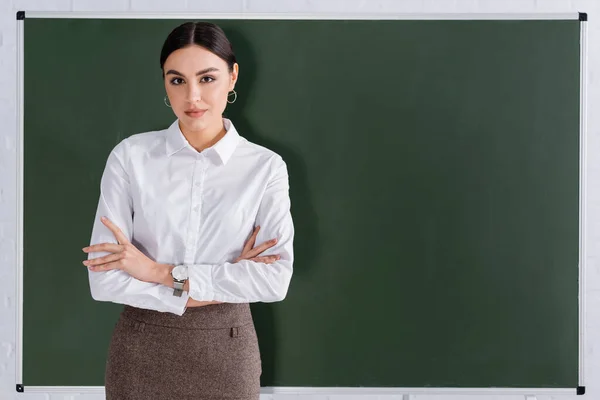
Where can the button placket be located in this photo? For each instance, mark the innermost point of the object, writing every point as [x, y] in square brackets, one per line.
[196, 210]
[199, 192]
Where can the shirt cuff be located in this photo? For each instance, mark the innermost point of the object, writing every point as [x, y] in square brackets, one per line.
[174, 304]
[201, 283]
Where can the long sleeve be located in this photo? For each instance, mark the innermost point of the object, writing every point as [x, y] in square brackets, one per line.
[115, 285]
[249, 281]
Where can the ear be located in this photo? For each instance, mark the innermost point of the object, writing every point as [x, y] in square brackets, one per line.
[234, 76]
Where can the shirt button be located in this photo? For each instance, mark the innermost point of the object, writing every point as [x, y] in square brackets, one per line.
[197, 184]
[196, 208]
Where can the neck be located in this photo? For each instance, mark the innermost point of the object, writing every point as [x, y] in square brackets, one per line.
[204, 138]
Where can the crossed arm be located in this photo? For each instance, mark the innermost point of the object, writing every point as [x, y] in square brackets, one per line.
[126, 257]
[125, 275]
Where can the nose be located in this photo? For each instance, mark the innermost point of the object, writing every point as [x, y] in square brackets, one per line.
[194, 93]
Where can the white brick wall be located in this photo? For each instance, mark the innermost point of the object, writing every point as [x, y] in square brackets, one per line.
[8, 157]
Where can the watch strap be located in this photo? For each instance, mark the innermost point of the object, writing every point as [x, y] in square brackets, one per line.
[177, 285]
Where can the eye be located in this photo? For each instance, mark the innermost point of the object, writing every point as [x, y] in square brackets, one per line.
[175, 79]
[204, 79]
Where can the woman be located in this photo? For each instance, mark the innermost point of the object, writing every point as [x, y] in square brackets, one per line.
[184, 207]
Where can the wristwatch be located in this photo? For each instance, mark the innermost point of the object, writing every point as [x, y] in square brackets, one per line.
[180, 275]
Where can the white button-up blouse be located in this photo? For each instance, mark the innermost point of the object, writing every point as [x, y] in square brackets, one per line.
[181, 206]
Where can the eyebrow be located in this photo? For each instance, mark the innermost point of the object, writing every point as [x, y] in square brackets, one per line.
[204, 71]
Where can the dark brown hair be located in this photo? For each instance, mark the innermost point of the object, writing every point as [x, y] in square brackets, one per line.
[205, 34]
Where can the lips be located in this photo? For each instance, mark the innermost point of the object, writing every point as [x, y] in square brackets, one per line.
[195, 112]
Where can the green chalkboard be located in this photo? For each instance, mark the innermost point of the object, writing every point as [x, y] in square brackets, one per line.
[434, 172]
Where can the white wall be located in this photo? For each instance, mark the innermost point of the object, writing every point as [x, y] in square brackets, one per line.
[8, 136]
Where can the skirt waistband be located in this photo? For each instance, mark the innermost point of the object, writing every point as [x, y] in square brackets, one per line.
[214, 316]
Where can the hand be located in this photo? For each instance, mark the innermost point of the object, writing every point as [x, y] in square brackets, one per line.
[196, 303]
[125, 257]
[249, 253]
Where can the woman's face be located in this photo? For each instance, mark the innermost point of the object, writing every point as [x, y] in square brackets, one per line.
[197, 79]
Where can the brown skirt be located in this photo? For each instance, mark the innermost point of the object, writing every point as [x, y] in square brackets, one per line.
[207, 353]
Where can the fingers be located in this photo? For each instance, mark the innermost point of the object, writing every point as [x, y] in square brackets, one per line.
[121, 238]
[198, 303]
[253, 237]
[261, 259]
[251, 240]
[266, 259]
[112, 247]
[105, 267]
[103, 260]
[259, 249]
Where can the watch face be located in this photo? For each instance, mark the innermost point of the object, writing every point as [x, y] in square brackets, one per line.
[180, 272]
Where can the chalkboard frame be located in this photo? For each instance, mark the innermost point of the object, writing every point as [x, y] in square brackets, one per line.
[582, 17]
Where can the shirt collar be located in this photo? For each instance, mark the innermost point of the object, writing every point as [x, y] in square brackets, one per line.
[175, 140]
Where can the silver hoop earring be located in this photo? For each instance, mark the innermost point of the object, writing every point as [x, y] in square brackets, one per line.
[234, 98]
[167, 104]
